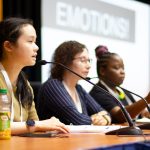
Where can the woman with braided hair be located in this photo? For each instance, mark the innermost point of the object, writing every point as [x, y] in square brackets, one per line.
[110, 70]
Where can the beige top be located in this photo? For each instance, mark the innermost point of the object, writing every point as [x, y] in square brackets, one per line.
[26, 113]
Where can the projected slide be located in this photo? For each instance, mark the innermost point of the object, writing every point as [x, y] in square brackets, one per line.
[123, 26]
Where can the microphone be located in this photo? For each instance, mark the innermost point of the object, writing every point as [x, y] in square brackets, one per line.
[131, 130]
[146, 125]
[88, 78]
[143, 126]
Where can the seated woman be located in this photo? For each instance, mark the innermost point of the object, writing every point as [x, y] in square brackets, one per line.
[110, 70]
[63, 97]
[18, 49]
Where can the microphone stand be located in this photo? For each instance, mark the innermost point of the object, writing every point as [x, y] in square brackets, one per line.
[146, 125]
[143, 126]
[131, 130]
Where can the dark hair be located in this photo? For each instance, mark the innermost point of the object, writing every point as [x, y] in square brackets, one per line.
[64, 54]
[103, 56]
[10, 30]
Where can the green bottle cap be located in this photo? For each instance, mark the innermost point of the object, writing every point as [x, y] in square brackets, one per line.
[3, 91]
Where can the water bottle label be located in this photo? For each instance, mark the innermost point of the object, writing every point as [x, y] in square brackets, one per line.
[5, 131]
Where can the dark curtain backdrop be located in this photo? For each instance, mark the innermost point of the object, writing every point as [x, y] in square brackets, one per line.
[144, 1]
[27, 9]
[30, 9]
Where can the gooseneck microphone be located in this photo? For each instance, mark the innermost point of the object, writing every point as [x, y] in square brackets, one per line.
[143, 126]
[146, 125]
[130, 130]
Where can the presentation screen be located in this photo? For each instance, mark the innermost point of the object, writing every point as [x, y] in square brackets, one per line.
[122, 26]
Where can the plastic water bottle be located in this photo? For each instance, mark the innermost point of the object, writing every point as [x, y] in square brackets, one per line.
[5, 110]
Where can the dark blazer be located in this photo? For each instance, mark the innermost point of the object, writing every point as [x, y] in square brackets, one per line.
[106, 101]
[54, 100]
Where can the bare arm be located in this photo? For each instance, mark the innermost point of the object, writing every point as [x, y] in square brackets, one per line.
[134, 109]
[52, 124]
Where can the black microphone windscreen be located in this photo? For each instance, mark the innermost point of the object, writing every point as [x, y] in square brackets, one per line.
[42, 62]
[89, 78]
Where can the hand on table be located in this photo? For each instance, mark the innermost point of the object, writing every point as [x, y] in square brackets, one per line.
[52, 124]
[101, 118]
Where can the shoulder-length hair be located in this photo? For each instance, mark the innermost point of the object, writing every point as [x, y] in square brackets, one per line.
[65, 54]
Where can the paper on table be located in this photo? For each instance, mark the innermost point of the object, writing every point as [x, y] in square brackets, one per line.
[92, 128]
[143, 120]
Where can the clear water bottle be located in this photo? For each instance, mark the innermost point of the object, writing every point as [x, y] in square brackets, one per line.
[5, 110]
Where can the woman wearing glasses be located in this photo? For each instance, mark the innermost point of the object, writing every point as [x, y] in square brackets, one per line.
[62, 96]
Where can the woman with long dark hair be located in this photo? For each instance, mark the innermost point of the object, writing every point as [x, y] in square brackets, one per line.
[18, 49]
